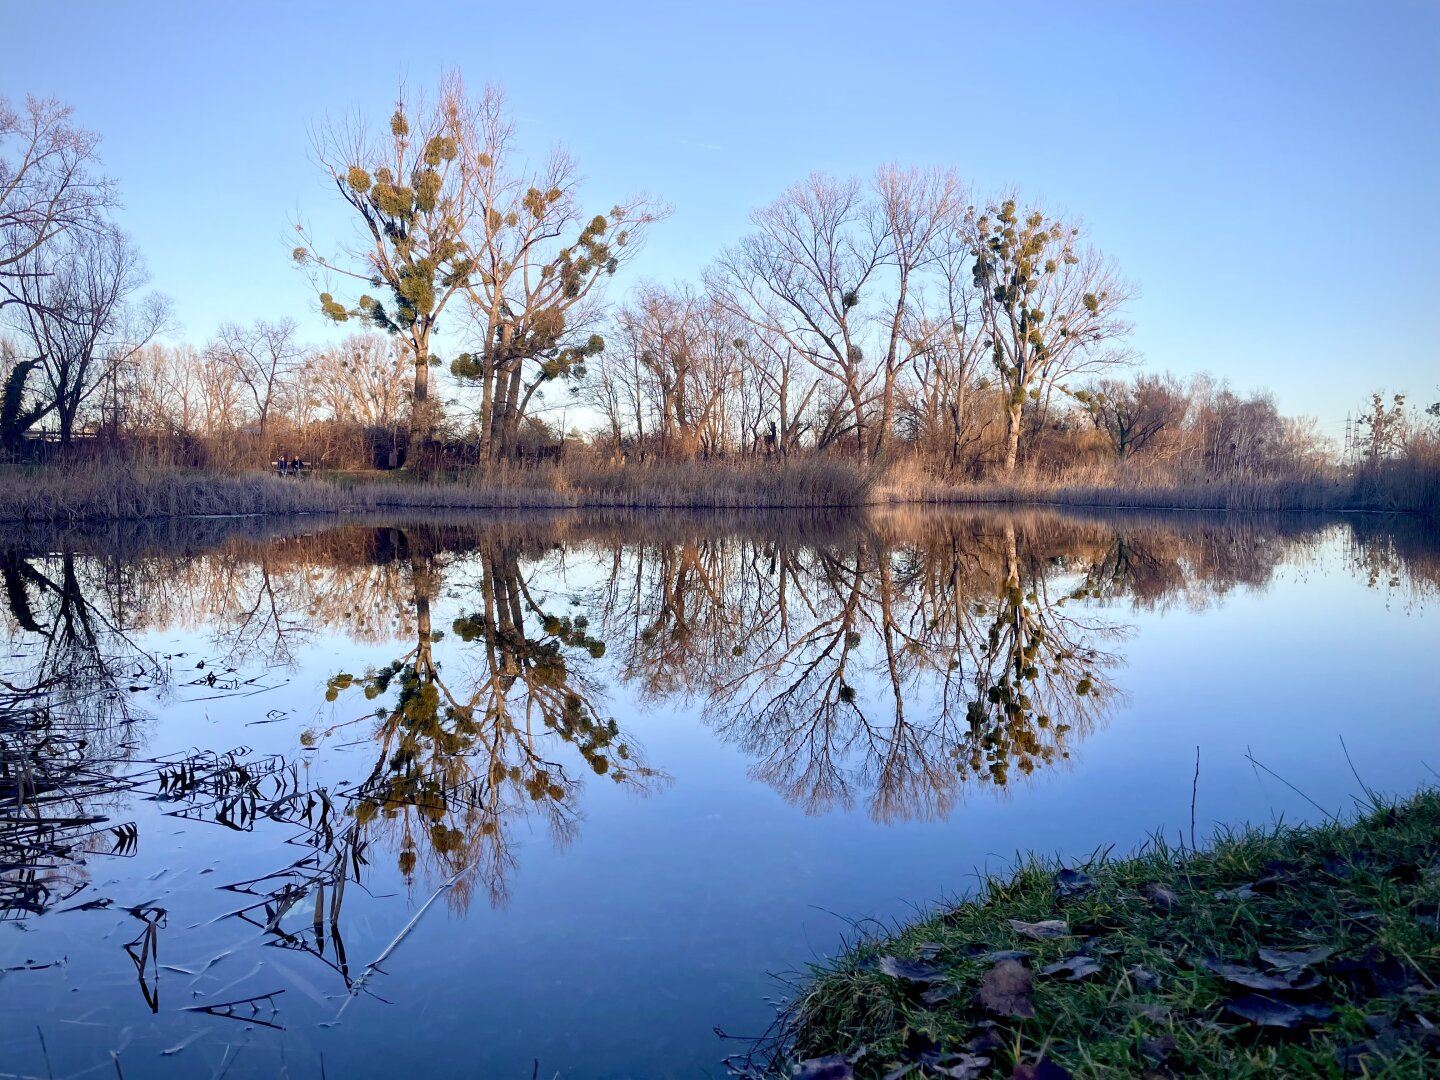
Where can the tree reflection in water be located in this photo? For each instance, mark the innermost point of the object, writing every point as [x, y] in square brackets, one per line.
[884, 662]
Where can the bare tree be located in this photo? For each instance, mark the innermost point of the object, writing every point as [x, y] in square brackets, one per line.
[47, 188]
[361, 380]
[265, 359]
[1132, 414]
[78, 315]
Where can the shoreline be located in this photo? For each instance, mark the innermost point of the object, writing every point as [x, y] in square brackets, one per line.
[117, 493]
[1309, 951]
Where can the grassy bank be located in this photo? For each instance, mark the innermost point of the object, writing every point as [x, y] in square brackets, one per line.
[1400, 486]
[1282, 952]
[88, 492]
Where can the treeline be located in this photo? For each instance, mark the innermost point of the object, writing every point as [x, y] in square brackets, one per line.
[900, 317]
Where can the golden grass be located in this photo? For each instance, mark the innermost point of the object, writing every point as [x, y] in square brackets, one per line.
[127, 492]
[122, 492]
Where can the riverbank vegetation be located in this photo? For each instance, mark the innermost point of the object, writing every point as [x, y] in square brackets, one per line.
[1279, 952]
[894, 337]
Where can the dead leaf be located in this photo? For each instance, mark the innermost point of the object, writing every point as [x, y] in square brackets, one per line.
[1048, 928]
[1158, 1049]
[1044, 1069]
[1163, 898]
[1243, 892]
[1071, 883]
[830, 1067]
[1286, 959]
[1242, 975]
[1008, 954]
[1005, 990]
[914, 971]
[961, 1067]
[1373, 972]
[1078, 966]
[1143, 978]
[1150, 1011]
[938, 995]
[1267, 1012]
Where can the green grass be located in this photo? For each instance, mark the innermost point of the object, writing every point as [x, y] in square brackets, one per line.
[1367, 889]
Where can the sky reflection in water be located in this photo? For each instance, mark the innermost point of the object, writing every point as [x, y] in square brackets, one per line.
[632, 765]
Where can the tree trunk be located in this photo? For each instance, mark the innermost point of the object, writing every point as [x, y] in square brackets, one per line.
[1012, 435]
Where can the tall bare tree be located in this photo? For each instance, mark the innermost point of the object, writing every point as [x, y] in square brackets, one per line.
[266, 359]
[81, 320]
[47, 188]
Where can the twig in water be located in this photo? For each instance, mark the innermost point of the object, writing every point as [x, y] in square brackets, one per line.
[1369, 792]
[1251, 758]
[404, 932]
[1194, 795]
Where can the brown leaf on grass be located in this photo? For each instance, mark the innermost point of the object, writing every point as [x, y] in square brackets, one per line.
[1268, 1012]
[1374, 972]
[938, 995]
[1076, 967]
[1039, 931]
[830, 1067]
[1143, 978]
[1252, 978]
[961, 1067]
[1005, 990]
[913, 971]
[1286, 959]
[1150, 1010]
[1008, 954]
[1158, 1049]
[1044, 1069]
[1071, 883]
[1163, 898]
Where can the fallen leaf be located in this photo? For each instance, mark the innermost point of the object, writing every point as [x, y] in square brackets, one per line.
[961, 1067]
[1048, 928]
[1005, 990]
[986, 1041]
[938, 995]
[1150, 1010]
[1008, 954]
[1250, 977]
[1243, 892]
[1286, 959]
[1071, 883]
[1163, 898]
[910, 970]
[1079, 967]
[1143, 978]
[929, 950]
[1044, 1069]
[830, 1067]
[1374, 972]
[1158, 1049]
[1267, 1012]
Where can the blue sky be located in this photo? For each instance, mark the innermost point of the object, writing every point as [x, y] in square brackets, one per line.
[1265, 172]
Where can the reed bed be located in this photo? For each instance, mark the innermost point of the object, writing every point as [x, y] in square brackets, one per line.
[120, 492]
[127, 492]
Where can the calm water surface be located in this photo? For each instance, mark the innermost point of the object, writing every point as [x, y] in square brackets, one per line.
[539, 796]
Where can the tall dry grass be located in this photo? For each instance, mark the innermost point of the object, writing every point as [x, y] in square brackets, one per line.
[127, 492]
[1406, 485]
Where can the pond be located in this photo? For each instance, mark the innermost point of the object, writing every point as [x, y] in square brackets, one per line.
[570, 795]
